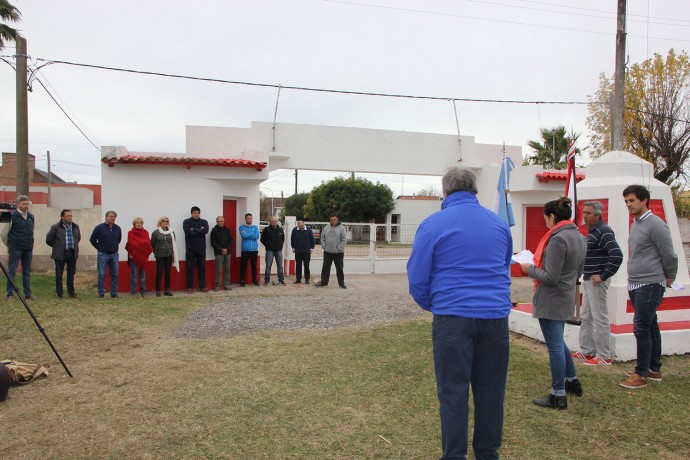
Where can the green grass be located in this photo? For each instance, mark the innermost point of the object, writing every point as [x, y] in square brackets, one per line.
[343, 393]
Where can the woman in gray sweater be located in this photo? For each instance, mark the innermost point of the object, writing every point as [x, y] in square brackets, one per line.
[165, 252]
[558, 264]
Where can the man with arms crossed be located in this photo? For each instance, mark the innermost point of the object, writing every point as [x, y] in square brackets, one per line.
[602, 261]
[64, 238]
[106, 238]
[250, 248]
[302, 242]
[652, 266]
[459, 270]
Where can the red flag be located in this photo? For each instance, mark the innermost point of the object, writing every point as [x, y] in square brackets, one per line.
[571, 181]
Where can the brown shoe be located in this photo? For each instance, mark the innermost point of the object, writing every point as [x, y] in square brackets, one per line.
[634, 382]
[190, 290]
[203, 289]
[651, 375]
[216, 289]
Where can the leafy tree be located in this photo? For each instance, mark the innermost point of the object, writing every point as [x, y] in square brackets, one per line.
[353, 199]
[552, 152]
[8, 13]
[294, 206]
[657, 114]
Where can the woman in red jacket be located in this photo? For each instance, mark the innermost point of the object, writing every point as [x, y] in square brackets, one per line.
[138, 250]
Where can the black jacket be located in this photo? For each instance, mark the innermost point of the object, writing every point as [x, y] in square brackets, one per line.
[221, 238]
[273, 238]
[57, 240]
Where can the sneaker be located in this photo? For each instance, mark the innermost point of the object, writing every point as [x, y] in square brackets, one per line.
[651, 375]
[256, 283]
[597, 362]
[189, 290]
[578, 355]
[634, 381]
[265, 283]
[10, 298]
[216, 289]
[319, 284]
[242, 284]
[306, 281]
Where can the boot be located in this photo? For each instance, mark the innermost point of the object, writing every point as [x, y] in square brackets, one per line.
[552, 402]
[574, 387]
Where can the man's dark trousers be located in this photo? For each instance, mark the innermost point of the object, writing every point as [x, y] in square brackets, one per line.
[71, 263]
[197, 258]
[470, 351]
[251, 257]
[302, 258]
[337, 258]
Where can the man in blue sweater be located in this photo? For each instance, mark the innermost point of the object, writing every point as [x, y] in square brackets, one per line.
[195, 230]
[18, 235]
[652, 267]
[250, 248]
[459, 271]
[602, 261]
[106, 238]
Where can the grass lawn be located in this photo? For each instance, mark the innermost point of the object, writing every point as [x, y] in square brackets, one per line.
[346, 393]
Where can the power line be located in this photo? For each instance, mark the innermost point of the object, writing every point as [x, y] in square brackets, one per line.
[304, 88]
[599, 11]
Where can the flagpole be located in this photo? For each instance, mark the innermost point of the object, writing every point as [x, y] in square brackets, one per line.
[575, 320]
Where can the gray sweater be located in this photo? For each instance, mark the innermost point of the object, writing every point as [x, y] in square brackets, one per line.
[652, 258]
[563, 262]
[333, 238]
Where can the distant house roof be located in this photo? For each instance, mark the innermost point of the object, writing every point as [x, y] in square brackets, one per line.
[187, 162]
[547, 176]
[54, 178]
[418, 198]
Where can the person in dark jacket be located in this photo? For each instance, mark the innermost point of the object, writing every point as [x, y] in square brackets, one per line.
[19, 238]
[165, 252]
[195, 230]
[106, 238]
[558, 263]
[221, 242]
[273, 238]
[64, 238]
[302, 242]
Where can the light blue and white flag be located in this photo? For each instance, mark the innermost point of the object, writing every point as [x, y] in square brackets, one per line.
[502, 205]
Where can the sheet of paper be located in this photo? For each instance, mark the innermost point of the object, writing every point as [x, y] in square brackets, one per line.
[676, 286]
[524, 257]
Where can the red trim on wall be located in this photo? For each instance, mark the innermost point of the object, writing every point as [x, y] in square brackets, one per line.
[547, 176]
[186, 162]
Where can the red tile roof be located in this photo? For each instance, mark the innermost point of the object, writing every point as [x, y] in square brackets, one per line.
[547, 176]
[188, 162]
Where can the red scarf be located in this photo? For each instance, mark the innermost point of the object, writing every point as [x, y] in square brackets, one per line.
[139, 246]
[539, 254]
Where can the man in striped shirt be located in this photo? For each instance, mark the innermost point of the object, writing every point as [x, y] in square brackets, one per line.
[602, 261]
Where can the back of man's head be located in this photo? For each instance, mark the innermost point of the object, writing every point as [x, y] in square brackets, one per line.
[459, 179]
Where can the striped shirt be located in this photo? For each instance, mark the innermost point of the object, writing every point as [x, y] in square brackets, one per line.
[604, 256]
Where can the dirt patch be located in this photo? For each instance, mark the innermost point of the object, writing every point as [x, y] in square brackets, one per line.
[369, 300]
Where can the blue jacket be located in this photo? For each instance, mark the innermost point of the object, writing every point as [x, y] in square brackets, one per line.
[460, 261]
[250, 237]
[106, 239]
[302, 240]
[195, 231]
[21, 234]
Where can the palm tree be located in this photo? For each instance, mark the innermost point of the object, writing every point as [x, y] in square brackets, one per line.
[8, 13]
[552, 152]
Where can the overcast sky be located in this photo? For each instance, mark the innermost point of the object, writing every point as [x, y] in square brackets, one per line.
[550, 50]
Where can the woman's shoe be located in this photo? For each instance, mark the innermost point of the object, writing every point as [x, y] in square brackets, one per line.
[552, 402]
[574, 387]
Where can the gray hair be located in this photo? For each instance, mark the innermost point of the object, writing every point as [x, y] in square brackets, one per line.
[107, 213]
[22, 198]
[596, 207]
[459, 179]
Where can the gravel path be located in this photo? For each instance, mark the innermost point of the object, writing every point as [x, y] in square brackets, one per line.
[369, 300]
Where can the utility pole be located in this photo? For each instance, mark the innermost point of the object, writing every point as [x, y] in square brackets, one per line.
[22, 119]
[617, 110]
[50, 177]
[296, 171]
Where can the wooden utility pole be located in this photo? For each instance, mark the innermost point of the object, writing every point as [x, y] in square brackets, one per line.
[22, 119]
[617, 109]
[50, 177]
[296, 171]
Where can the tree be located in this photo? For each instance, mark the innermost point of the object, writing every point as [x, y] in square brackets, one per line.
[552, 152]
[657, 114]
[8, 13]
[294, 206]
[429, 190]
[353, 199]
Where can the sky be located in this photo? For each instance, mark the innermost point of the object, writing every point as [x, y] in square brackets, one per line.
[518, 50]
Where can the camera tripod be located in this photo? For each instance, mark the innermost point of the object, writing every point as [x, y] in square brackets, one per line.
[40, 328]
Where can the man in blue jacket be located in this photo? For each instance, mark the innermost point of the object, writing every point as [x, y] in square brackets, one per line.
[106, 238]
[250, 248]
[459, 271]
[302, 242]
[195, 230]
[18, 235]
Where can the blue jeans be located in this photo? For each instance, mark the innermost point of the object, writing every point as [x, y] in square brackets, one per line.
[15, 255]
[133, 269]
[469, 351]
[561, 360]
[269, 262]
[646, 300]
[104, 261]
